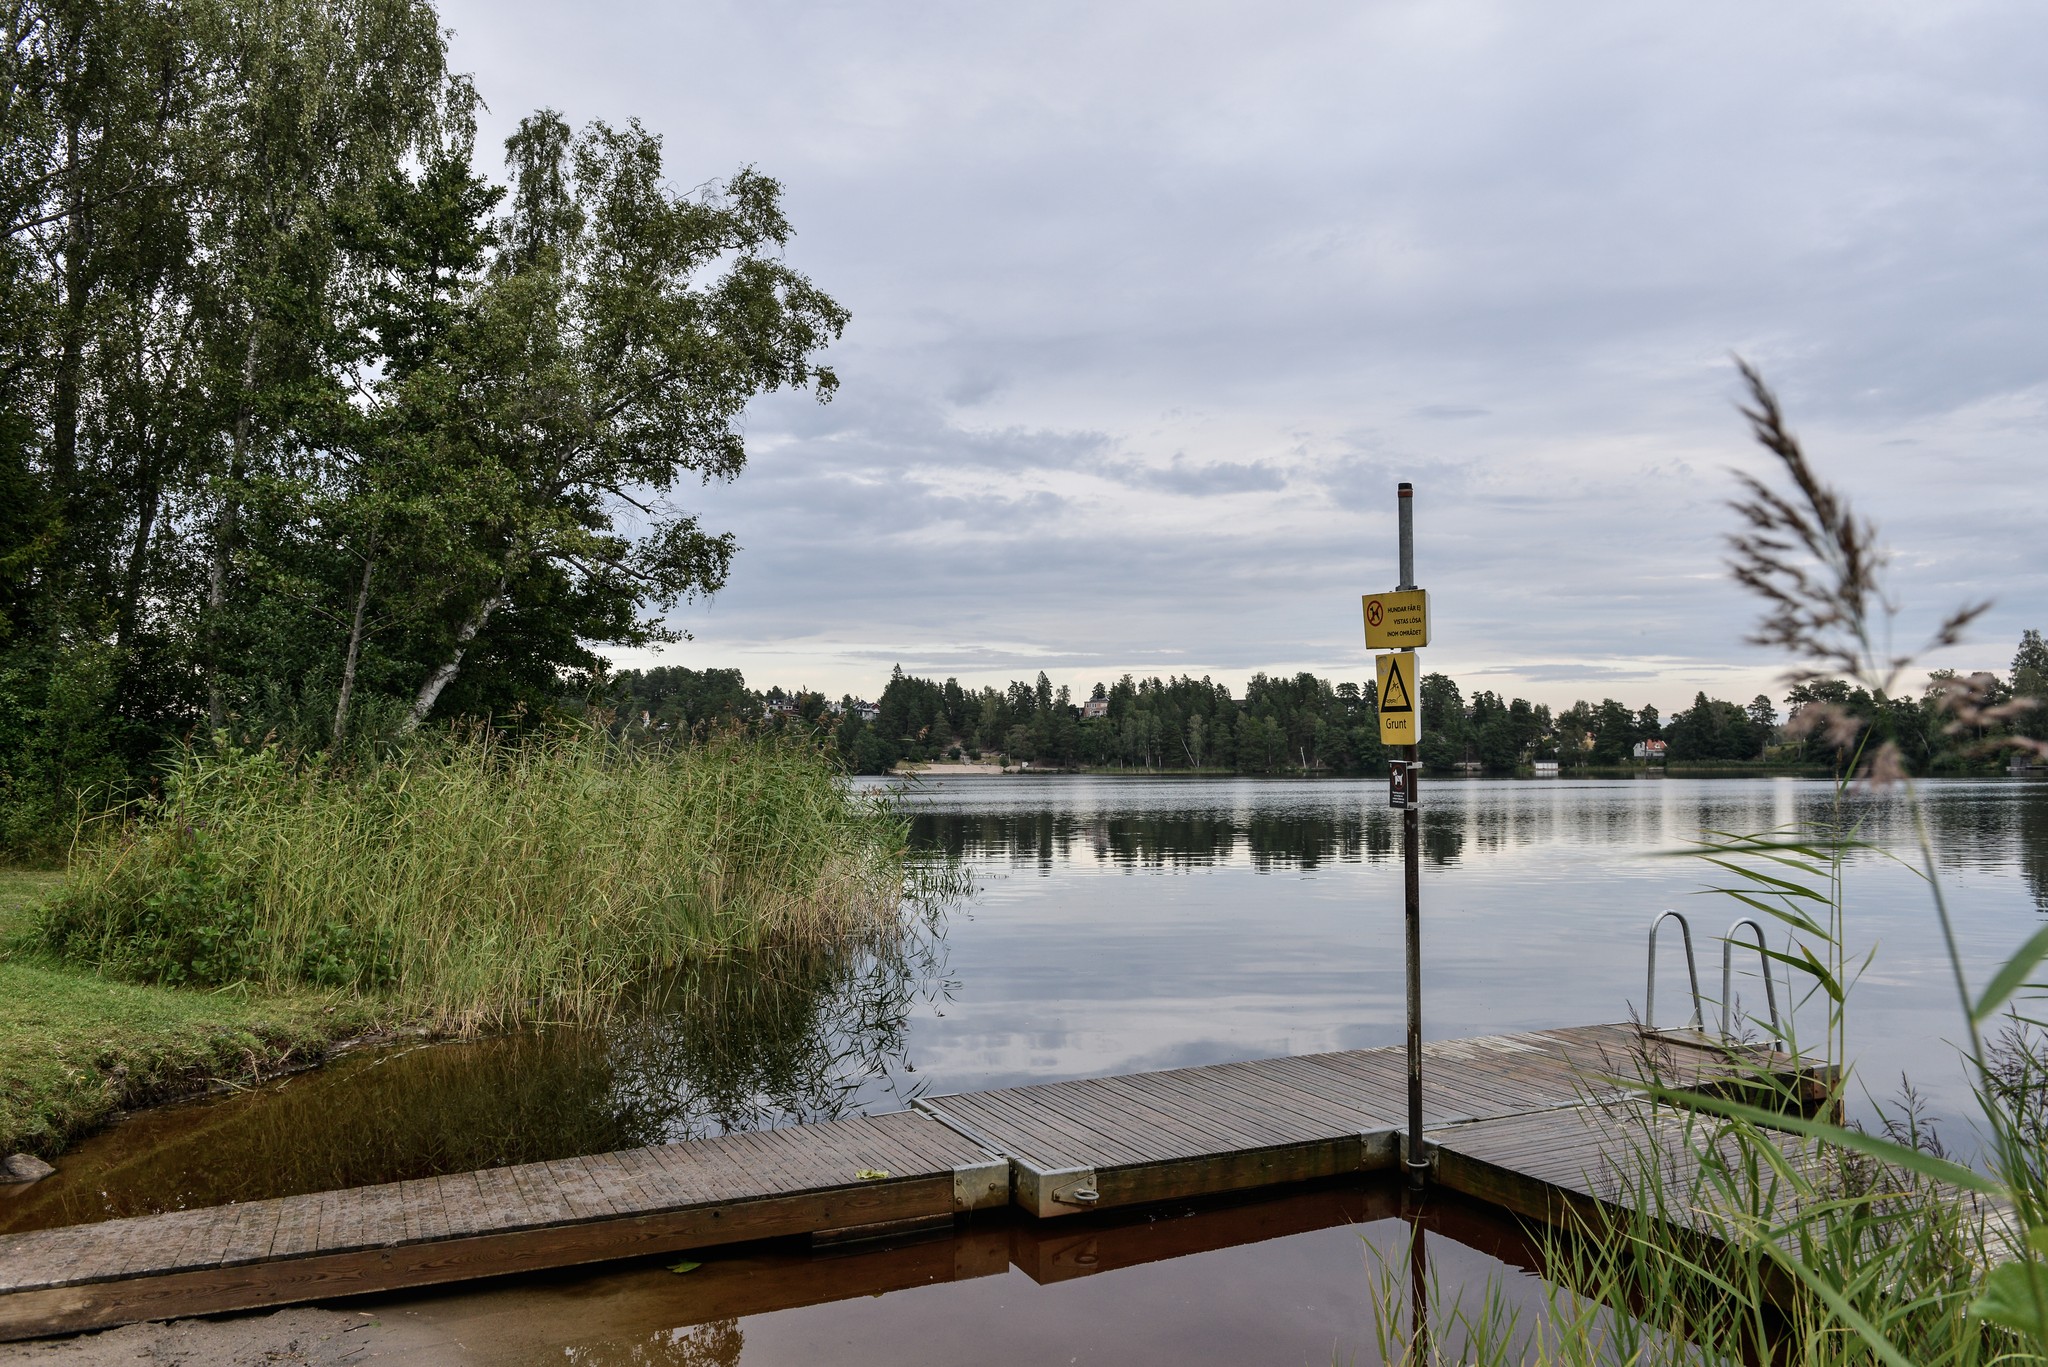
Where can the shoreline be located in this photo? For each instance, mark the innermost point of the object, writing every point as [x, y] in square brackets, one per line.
[945, 770]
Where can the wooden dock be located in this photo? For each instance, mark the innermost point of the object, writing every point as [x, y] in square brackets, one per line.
[1509, 1119]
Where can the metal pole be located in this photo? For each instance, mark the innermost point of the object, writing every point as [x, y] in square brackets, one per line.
[1406, 496]
[1411, 859]
[1418, 1286]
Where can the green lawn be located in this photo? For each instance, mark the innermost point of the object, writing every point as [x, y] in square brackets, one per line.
[20, 890]
[75, 1048]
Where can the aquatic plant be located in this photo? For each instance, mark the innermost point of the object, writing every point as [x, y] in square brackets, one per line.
[475, 878]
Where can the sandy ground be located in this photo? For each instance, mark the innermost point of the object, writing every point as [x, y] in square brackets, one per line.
[948, 770]
[330, 1338]
[633, 1312]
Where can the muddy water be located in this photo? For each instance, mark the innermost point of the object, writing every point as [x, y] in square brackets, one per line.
[741, 1044]
[1120, 925]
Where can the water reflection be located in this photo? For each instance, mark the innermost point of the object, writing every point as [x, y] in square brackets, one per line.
[739, 1043]
[1263, 840]
[1287, 1276]
[1141, 824]
[2033, 842]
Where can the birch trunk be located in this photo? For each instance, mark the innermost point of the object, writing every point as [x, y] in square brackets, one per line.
[355, 648]
[443, 675]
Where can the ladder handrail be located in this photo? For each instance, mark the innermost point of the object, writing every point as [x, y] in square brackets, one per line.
[1692, 971]
[1728, 977]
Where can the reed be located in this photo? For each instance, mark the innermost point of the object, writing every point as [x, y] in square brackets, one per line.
[477, 879]
[1741, 1241]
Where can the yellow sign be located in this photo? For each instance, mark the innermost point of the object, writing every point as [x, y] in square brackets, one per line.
[1400, 722]
[1398, 620]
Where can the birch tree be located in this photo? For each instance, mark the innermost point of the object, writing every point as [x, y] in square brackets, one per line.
[606, 359]
[314, 105]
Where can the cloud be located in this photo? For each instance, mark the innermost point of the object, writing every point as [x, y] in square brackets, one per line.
[1181, 476]
[1153, 304]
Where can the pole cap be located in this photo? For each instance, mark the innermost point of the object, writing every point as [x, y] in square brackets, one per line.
[1405, 489]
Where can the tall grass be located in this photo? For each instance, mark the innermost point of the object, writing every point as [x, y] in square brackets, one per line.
[1734, 1242]
[478, 879]
[1727, 1239]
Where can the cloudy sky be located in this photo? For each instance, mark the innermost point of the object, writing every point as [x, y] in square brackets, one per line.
[1154, 303]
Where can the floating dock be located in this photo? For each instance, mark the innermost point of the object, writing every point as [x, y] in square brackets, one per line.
[1523, 1120]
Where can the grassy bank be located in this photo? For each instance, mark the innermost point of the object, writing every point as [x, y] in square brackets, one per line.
[76, 1048]
[473, 881]
[262, 908]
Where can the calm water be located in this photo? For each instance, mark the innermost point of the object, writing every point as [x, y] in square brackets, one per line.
[1119, 925]
[1127, 924]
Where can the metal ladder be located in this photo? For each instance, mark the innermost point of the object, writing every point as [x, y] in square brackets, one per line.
[1692, 972]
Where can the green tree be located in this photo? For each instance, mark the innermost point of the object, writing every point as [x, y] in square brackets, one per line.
[2030, 680]
[173, 285]
[292, 154]
[619, 335]
[1441, 715]
[1615, 732]
[1261, 744]
[296, 427]
[1711, 729]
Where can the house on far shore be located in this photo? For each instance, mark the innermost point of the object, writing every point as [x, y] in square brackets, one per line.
[1651, 750]
[866, 711]
[1094, 707]
[1546, 768]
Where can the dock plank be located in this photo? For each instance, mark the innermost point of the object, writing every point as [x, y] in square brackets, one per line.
[1526, 1137]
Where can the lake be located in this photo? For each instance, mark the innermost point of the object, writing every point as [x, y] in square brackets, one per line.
[1117, 924]
[1127, 924]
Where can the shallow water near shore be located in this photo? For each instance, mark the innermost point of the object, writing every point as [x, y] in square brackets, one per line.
[1119, 924]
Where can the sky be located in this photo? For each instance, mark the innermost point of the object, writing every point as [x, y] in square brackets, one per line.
[1154, 304]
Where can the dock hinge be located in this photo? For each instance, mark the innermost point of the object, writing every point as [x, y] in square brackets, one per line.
[976, 1186]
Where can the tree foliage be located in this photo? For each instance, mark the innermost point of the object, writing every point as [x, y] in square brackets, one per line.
[313, 427]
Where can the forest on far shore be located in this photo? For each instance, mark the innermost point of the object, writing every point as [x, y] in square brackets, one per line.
[1306, 723]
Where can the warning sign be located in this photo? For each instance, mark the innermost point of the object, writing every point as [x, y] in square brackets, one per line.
[1399, 723]
[1397, 620]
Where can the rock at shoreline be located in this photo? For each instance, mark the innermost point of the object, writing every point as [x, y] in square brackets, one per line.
[23, 1167]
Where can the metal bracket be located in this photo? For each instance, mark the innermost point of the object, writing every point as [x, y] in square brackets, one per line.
[976, 1186]
[1379, 1149]
[981, 1186]
[1408, 1161]
[1048, 1192]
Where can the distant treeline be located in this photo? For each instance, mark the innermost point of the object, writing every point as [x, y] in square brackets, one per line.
[1306, 723]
